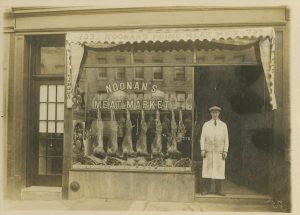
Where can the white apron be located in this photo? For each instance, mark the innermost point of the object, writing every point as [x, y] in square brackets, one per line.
[214, 140]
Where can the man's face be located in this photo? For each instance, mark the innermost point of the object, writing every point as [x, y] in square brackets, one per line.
[215, 114]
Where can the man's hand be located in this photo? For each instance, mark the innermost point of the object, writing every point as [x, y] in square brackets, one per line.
[224, 155]
[203, 154]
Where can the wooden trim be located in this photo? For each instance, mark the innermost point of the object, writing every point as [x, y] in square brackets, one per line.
[163, 65]
[132, 170]
[37, 31]
[17, 121]
[10, 186]
[37, 11]
[68, 141]
[48, 76]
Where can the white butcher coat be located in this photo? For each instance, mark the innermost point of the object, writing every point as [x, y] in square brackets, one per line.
[214, 140]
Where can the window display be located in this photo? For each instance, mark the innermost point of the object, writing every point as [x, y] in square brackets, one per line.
[139, 120]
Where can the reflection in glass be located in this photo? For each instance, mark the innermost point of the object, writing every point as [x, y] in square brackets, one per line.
[130, 111]
[52, 60]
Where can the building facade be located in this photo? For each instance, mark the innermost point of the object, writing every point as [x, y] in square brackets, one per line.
[109, 102]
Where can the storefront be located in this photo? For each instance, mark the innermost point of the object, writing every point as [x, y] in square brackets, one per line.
[114, 109]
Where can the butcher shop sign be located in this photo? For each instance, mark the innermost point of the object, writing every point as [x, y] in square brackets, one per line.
[131, 96]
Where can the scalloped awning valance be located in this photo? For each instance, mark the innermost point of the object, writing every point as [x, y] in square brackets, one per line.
[265, 36]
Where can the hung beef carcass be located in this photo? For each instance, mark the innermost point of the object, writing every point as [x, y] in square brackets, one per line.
[127, 141]
[141, 145]
[157, 142]
[98, 127]
[113, 143]
[87, 142]
[181, 128]
[172, 146]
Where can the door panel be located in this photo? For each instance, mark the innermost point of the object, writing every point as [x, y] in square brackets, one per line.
[48, 134]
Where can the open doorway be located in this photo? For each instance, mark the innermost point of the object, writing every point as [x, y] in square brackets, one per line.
[243, 96]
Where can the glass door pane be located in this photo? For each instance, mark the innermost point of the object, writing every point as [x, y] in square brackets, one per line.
[51, 123]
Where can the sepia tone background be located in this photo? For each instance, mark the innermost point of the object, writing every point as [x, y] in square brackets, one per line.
[284, 103]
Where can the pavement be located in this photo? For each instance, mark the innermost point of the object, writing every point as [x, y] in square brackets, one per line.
[88, 204]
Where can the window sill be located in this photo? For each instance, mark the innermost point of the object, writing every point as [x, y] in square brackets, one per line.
[122, 168]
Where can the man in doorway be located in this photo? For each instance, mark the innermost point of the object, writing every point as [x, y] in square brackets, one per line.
[214, 144]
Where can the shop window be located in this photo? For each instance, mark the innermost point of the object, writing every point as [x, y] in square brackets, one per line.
[128, 123]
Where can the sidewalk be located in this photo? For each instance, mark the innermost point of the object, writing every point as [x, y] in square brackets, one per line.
[129, 205]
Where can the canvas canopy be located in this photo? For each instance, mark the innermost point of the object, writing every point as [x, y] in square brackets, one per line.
[264, 36]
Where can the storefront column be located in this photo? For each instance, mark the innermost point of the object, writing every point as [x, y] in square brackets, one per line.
[67, 149]
[17, 131]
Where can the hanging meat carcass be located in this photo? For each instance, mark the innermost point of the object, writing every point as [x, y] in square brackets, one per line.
[97, 126]
[88, 145]
[172, 146]
[127, 141]
[189, 102]
[141, 145]
[157, 142]
[181, 128]
[113, 143]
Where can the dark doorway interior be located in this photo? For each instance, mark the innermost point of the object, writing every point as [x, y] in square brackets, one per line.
[243, 96]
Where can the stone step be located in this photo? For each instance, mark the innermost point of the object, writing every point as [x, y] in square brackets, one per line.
[41, 193]
[234, 199]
